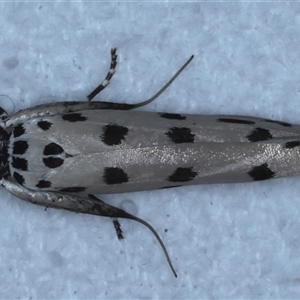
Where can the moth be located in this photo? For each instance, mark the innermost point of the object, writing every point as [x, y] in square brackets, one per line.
[62, 154]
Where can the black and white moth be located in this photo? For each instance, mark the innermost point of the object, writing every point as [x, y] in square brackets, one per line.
[61, 154]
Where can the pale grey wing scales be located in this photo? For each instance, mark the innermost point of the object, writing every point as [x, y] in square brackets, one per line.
[149, 149]
[156, 167]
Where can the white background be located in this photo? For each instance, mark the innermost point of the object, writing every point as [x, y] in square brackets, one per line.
[226, 241]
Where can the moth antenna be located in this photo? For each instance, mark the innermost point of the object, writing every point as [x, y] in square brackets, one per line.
[103, 209]
[132, 217]
[165, 86]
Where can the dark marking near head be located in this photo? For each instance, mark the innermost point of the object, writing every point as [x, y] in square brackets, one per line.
[19, 130]
[172, 116]
[19, 178]
[235, 121]
[259, 134]
[3, 114]
[114, 176]
[53, 149]
[74, 117]
[285, 124]
[20, 147]
[182, 175]
[170, 187]
[73, 189]
[181, 135]
[3, 134]
[53, 162]
[262, 172]
[42, 184]
[113, 134]
[45, 125]
[20, 163]
[292, 144]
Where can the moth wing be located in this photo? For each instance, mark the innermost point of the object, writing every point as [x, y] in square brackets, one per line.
[108, 151]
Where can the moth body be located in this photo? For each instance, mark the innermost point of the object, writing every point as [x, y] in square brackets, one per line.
[62, 154]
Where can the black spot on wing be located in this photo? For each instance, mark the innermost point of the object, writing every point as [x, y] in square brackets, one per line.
[236, 121]
[285, 124]
[172, 116]
[74, 117]
[114, 176]
[42, 184]
[53, 162]
[73, 189]
[259, 134]
[20, 147]
[113, 134]
[180, 135]
[19, 130]
[53, 149]
[20, 163]
[292, 144]
[182, 175]
[262, 172]
[19, 178]
[45, 125]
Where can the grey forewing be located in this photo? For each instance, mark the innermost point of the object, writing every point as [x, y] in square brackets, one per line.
[121, 151]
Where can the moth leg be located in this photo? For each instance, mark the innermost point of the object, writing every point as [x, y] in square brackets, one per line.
[118, 229]
[108, 77]
[90, 205]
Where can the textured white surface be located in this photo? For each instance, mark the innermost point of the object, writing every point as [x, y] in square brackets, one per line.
[226, 241]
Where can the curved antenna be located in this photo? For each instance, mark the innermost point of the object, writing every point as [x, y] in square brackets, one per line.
[103, 209]
[164, 87]
[132, 217]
